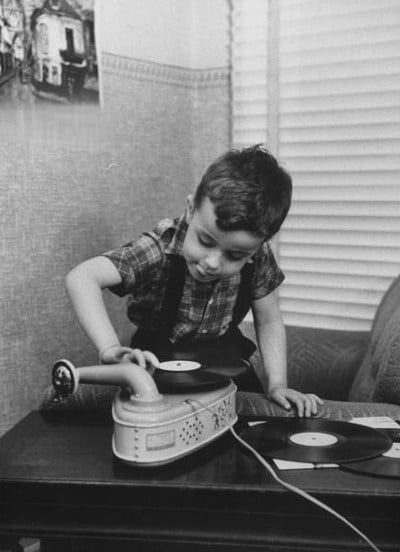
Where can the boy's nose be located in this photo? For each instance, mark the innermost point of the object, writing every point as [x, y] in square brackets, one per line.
[212, 261]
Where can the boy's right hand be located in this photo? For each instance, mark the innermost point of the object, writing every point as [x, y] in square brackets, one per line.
[118, 353]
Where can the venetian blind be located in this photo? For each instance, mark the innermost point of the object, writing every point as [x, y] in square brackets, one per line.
[333, 118]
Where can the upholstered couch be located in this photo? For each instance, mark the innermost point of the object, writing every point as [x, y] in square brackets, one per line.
[356, 373]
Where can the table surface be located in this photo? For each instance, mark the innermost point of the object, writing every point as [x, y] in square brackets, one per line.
[58, 476]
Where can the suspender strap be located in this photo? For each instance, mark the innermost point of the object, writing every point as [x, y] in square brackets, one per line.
[173, 293]
[244, 297]
[174, 290]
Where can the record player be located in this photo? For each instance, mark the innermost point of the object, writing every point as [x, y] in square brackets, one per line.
[150, 427]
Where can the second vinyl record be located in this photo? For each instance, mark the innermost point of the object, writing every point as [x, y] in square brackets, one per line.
[387, 465]
[316, 440]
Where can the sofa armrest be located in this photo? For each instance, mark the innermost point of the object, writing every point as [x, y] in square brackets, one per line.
[320, 361]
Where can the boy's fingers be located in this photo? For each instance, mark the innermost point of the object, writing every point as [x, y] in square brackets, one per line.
[315, 402]
[314, 408]
[307, 407]
[145, 359]
[138, 356]
[151, 357]
[296, 400]
[280, 398]
[152, 360]
[125, 352]
[301, 407]
[115, 354]
[305, 404]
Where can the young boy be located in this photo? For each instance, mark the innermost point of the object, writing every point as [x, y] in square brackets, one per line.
[219, 242]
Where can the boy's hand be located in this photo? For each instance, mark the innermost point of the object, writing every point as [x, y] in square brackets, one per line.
[118, 353]
[305, 403]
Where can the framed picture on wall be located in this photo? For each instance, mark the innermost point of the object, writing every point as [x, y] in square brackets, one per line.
[48, 51]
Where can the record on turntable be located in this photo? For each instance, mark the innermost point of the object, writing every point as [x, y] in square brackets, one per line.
[387, 465]
[187, 376]
[316, 440]
[179, 366]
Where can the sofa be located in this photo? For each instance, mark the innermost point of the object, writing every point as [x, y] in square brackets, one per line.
[355, 373]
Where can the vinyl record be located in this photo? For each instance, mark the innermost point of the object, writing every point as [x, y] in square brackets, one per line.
[383, 466]
[204, 378]
[225, 371]
[316, 440]
[188, 382]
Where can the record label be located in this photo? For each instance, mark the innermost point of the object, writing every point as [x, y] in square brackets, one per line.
[179, 365]
[313, 439]
[316, 440]
[393, 452]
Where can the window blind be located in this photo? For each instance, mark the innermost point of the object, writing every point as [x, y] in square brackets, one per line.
[336, 127]
[249, 66]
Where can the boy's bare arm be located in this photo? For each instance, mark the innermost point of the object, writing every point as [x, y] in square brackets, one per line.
[271, 337]
[85, 284]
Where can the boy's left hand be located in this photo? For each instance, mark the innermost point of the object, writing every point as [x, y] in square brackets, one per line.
[305, 403]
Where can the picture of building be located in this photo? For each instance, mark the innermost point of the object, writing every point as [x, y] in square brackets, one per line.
[48, 51]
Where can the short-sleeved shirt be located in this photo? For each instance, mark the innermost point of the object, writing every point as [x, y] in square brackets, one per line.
[206, 308]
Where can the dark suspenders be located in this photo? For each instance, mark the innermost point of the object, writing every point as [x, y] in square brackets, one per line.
[173, 293]
[158, 338]
[174, 290]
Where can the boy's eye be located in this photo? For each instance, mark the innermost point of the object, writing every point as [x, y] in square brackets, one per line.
[236, 256]
[205, 242]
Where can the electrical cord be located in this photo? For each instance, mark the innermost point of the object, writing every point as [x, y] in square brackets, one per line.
[289, 486]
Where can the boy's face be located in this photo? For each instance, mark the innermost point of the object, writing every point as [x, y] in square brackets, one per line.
[213, 254]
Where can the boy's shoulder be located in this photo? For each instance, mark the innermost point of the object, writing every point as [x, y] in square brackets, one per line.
[145, 258]
[163, 233]
[163, 227]
[168, 235]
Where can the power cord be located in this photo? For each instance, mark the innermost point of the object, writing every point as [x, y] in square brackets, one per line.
[286, 485]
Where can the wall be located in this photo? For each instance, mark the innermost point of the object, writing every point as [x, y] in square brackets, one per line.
[185, 33]
[77, 181]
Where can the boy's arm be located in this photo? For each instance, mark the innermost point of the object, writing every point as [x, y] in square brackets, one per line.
[271, 338]
[85, 284]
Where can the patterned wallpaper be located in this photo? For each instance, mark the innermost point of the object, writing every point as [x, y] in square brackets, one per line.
[77, 181]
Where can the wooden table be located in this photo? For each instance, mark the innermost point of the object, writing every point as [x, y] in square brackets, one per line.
[60, 482]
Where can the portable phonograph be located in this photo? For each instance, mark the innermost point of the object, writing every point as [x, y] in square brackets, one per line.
[161, 417]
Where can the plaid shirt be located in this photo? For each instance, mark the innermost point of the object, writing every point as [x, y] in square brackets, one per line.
[206, 308]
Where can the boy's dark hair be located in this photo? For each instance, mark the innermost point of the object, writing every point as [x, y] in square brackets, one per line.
[249, 190]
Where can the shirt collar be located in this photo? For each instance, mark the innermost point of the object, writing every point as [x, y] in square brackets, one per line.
[180, 226]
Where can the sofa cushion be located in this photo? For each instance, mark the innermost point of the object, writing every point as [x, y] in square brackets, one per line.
[319, 361]
[378, 378]
[256, 404]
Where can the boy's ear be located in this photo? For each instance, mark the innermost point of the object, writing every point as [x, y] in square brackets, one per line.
[190, 204]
